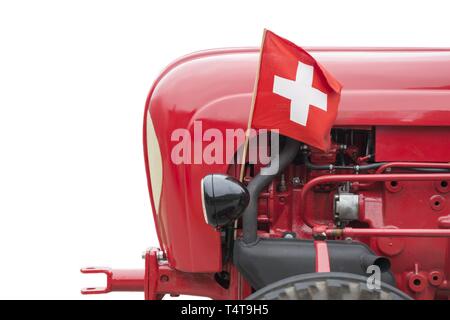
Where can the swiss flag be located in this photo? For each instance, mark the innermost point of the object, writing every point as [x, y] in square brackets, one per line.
[294, 93]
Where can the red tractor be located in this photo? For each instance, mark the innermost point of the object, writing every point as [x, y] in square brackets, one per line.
[369, 219]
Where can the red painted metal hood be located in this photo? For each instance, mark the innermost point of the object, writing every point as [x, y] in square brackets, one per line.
[381, 86]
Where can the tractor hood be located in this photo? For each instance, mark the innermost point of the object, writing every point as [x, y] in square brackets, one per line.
[381, 86]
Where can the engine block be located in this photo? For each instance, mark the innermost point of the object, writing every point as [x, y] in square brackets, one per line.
[420, 264]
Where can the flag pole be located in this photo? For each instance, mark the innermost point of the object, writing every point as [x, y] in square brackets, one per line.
[247, 138]
[252, 109]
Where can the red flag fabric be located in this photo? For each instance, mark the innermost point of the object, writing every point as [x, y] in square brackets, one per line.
[294, 93]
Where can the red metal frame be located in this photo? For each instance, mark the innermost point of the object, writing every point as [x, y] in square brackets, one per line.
[159, 279]
[116, 280]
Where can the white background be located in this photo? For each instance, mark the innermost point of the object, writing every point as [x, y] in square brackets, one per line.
[74, 76]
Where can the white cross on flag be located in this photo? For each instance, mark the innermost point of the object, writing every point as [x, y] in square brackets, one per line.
[294, 93]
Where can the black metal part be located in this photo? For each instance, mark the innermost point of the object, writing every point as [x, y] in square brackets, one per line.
[269, 260]
[224, 199]
[227, 243]
[259, 182]
[363, 167]
[223, 279]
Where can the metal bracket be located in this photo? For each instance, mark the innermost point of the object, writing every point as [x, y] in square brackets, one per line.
[116, 280]
[98, 290]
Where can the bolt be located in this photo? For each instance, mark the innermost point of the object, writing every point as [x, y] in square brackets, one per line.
[320, 236]
[289, 235]
[296, 181]
[164, 278]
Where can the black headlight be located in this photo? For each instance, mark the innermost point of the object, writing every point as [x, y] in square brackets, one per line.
[224, 198]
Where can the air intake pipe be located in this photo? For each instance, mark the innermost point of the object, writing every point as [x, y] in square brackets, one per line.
[277, 164]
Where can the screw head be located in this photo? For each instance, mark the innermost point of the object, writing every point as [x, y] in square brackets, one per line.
[289, 235]
[296, 181]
